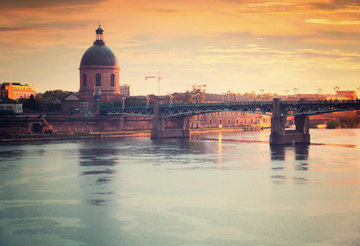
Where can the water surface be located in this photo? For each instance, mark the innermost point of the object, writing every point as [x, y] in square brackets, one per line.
[215, 189]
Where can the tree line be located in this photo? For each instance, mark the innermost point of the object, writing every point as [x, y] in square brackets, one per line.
[48, 101]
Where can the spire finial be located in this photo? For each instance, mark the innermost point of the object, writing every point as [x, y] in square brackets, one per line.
[99, 24]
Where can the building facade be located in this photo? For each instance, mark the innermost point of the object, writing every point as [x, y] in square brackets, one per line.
[99, 73]
[126, 90]
[16, 90]
[9, 106]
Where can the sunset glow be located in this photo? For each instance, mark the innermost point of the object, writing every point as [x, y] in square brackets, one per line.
[240, 46]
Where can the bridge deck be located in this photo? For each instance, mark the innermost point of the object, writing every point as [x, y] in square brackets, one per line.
[288, 108]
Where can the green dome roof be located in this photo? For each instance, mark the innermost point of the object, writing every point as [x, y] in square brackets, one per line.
[99, 55]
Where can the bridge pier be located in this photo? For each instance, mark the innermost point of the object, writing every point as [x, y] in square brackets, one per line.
[159, 129]
[281, 136]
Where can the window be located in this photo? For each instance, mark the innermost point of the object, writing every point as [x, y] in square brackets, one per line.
[112, 82]
[84, 79]
[98, 79]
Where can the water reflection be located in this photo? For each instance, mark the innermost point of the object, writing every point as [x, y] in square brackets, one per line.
[110, 191]
[97, 160]
[300, 151]
[287, 159]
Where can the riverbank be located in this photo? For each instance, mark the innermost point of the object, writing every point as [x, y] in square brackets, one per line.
[71, 136]
[4, 138]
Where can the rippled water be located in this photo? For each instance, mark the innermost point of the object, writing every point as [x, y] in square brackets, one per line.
[215, 189]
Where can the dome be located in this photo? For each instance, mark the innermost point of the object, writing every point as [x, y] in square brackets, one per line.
[99, 55]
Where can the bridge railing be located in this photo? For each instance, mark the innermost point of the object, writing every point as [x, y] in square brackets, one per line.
[336, 101]
[216, 104]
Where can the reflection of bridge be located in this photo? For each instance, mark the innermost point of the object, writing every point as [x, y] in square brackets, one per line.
[276, 109]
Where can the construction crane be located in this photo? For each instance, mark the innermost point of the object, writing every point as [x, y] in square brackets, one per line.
[46, 128]
[155, 77]
[199, 86]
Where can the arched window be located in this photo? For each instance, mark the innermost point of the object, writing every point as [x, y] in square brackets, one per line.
[84, 79]
[98, 79]
[112, 82]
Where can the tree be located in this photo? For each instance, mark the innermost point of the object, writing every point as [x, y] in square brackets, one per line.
[106, 104]
[264, 97]
[54, 94]
[194, 96]
[333, 124]
[31, 103]
[133, 101]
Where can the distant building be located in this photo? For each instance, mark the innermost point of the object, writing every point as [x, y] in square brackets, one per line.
[346, 95]
[212, 119]
[126, 90]
[340, 95]
[72, 102]
[9, 106]
[99, 73]
[16, 90]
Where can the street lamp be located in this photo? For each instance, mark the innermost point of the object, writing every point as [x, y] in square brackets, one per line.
[147, 100]
[253, 93]
[295, 91]
[319, 91]
[358, 92]
[336, 88]
[123, 102]
[286, 94]
[171, 99]
[262, 92]
[197, 97]
[228, 95]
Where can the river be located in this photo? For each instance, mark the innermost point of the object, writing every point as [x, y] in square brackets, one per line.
[228, 188]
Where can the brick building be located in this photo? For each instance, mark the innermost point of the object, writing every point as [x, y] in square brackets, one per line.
[99, 73]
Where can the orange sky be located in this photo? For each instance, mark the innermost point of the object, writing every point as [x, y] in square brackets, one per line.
[230, 45]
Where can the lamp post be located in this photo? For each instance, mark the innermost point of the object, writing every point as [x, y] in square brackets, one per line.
[123, 102]
[197, 98]
[336, 88]
[171, 99]
[319, 91]
[147, 101]
[295, 91]
[358, 92]
[228, 95]
[286, 94]
[262, 93]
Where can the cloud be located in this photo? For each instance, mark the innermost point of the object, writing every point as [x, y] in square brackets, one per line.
[335, 4]
[14, 29]
[25, 4]
[333, 22]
